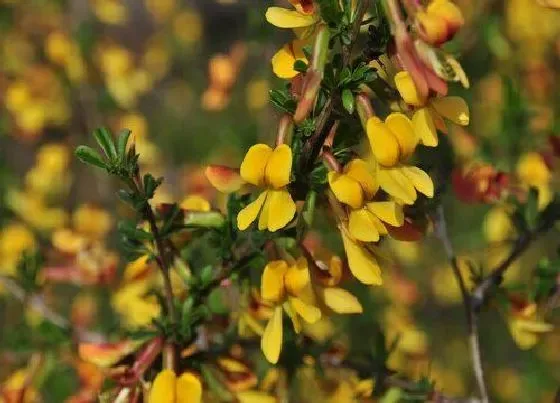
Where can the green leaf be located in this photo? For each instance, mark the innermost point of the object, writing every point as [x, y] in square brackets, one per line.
[130, 230]
[531, 211]
[150, 185]
[89, 156]
[122, 141]
[105, 140]
[300, 66]
[206, 275]
[216, 301]
[348, 100]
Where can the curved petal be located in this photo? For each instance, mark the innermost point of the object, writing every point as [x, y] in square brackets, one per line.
[362, 264]
[189, 389]
[253, 167]
[362, 227]
[407, 89]
[346, 189]
[296, 322]
[341, 301]
[272, 281]
[279, 167]
[163, 390]
[263, 216]
[421, 180]
[271, 341]
[393, 187]
[388, 211]
[309, 313]
[281, 209]
[246, 216]
[401, 126]
[297, 276]
[383, 143]
[363, 173]
[283, 60]
[284, 18]
[424, 127]
[225, 179]
[452, 108]
[253, 396]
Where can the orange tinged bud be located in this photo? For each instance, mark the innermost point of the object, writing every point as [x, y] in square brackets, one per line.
[225, 179]
[439, 23]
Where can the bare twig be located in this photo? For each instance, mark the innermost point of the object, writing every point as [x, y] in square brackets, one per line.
[470, 313]
[37, 302]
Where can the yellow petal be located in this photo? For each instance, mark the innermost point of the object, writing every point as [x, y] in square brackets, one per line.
[346, 189]
[407, 89]
[271, 342]
[309, 313]
[362, 264]
[341, 301]
[272, 281]
[283, 18]
[424, 127]
[296, 322]
[394, 187]
[225, 179]
[250, 212]
[195, 203]
[532, 170]
[297, 276]
[279, 167]
[189, 389]
[163, 390]
[263, 216]
[388, 211]
[452, 108]
[383, 143]
[251, 396]
[281, 209]
[283, 60]
[421, 180]
[362, 227]
[253, 167]
[534, 326]
[363, 173]
[401, 126]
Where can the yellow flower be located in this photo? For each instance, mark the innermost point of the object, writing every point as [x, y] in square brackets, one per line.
[195, 203]
[168, 388]
[187, 26]
[440, 21]
[14, 240]
[112, 12]
[91, 221]
[269, 168]
[303, 21]
[288, 288]
[283, 60]
[131, 300]
[525, 326]
[17, 388]
[429, 113]
[392, 142]
[354, 187]
[533, 172]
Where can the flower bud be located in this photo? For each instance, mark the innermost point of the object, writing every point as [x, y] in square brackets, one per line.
[439, 23]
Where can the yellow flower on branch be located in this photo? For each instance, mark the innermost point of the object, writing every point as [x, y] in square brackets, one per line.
[392, 142]
[533, 171]
[271, 169]
[303, 21]
[169, 388]
[288, 288]
[525, 326]
[429, 113]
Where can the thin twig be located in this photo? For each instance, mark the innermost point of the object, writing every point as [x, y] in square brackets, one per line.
[38, 304]
[470, 313]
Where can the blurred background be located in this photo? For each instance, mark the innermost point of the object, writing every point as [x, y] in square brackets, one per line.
[191, 80]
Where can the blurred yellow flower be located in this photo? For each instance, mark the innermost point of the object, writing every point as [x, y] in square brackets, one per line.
[187, 26]
[257, 94]
[269, 168]
[112, 12]
[91, 221]
[526, 326]
[533, 171]
[15, 239]
[161, 9]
